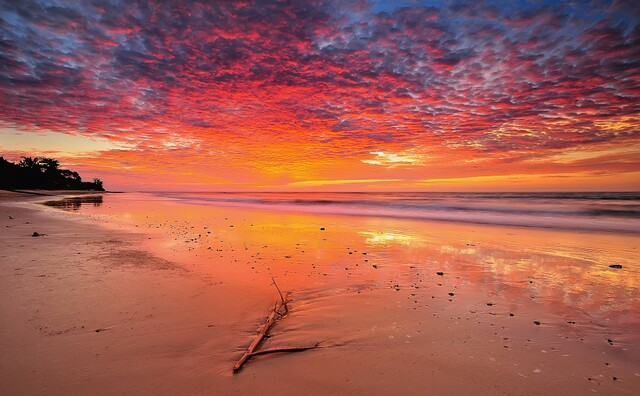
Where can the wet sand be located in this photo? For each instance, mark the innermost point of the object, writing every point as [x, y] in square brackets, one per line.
[135, 294]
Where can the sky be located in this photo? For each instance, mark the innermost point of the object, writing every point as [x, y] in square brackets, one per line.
[326, 95]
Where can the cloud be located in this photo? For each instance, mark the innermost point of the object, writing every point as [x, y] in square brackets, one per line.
[498, 79]
[393, 160]
[315, 183]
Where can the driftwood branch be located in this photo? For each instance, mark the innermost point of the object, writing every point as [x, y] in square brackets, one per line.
[264, 332]
[273, 318]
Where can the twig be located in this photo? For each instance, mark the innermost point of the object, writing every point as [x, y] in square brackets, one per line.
[284, 302]
[284, 350]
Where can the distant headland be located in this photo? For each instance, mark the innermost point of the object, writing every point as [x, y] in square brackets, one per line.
[42, 173]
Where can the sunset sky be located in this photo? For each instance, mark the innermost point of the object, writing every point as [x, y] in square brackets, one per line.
[326, 95]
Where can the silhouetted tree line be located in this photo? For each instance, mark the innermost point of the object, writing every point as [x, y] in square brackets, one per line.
[42, 173]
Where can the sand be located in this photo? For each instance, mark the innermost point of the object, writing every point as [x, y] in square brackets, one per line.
[135, 295]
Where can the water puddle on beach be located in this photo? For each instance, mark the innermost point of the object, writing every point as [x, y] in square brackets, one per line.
[363, 281]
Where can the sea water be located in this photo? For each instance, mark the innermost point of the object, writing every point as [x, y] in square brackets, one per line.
[597, 211]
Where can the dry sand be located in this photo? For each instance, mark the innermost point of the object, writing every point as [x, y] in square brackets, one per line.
[117, 305]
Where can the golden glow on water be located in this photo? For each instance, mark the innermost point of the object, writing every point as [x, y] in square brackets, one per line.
[383, 238]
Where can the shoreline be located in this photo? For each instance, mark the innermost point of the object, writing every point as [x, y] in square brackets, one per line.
[173, 319]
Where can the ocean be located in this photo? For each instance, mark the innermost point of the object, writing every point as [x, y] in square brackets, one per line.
[596, 211]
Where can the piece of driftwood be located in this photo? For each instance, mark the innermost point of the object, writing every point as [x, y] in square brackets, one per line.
[264, 332]
[273, 318]
[256, 341]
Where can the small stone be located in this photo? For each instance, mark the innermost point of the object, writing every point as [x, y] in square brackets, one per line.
[440, 273]
[35, 234]
[536, 322]
[451, 294]
[490, 304]
[511, 314]
[616, 266]
[321, 228]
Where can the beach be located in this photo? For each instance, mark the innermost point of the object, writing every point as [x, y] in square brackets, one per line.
[148, 294]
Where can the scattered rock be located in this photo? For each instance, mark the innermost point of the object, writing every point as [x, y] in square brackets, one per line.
[451, 294]
[610, 341]
[440, 273]
[536, 322]
[321, 228]
[36, 234]
[616, 266]
[511, 314]
[490, 304]
[375, 266]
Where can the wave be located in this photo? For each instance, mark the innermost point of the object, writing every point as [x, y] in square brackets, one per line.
[608, 211]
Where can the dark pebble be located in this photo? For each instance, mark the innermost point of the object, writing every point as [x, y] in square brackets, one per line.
[511, 314]
[440, 273]
[35, 234]
[616, 266]
[321, 228]
[451, 294]
[536, 322]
